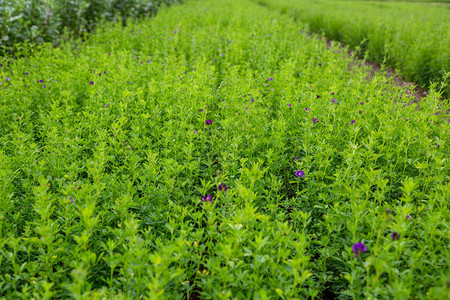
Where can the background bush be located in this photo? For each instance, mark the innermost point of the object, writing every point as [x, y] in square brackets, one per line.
[39, 21]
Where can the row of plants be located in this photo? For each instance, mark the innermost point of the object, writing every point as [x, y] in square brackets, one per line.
[411, 37]
[217, 152]
[39, 21]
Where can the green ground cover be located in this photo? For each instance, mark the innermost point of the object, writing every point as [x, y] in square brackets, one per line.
[412, 37]
[217, 152]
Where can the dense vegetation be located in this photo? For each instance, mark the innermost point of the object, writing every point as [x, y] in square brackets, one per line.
[38, 21]
[217, 151]
[414, 38]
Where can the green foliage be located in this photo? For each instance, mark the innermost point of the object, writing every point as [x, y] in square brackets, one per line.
[105, 157]
[414, 38]
[39, 21]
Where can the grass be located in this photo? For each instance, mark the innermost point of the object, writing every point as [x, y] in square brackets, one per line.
[412, 37]
[106, 155]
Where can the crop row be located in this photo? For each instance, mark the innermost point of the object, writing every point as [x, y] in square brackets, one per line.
[217, 151]
[414, 38]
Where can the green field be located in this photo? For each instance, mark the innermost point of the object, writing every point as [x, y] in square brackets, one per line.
[217, 151]
[414, 38]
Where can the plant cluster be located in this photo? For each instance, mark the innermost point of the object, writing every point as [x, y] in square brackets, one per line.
[412, 37]
[39, 21]
[216, 151]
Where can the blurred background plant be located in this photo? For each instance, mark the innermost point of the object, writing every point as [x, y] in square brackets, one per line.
[40, 21]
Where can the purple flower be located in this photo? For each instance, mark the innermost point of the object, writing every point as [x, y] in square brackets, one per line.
[221, 54]
[315, 120]
[106, 104]
[71, 199]
[42, 80]
[44, 86]
[395, 236]
[99, 74]
[299, 173]
[289, 105]
[223, 187]
[91, 83]
[307, 109]
[318, 96]
[174, 31]
[1, 65]
[320, 64]
[270, 79]
[333, 101]
[26, 73]
[408, 217]
[109, 54]
[200, 110]
[208, 198]
[246, 108]
[252, 100]
[208, 122]
[362, 103]
[7, 79]
[332, 93]
[358, 248]
[266, 84]
[195, 131]
[352, 122]
[104, 72]
[296, 158]
[148, 61]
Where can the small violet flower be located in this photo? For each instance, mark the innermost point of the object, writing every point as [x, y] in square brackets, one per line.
[252, 100]
[42, 80]
[208, 198]
[352, 122]
[315, 120]
[223, 187]
[320, 64]
[200, 110]
[299, 173]
[195, 131]
[91, 83]
[395, 236]
[318, 96]
[307, 109]
[408, 217]
[44, 86]
[358, 248]
[296, 158]
[362, 103]
[289, 105]
[71, 199]
[208, 122]
[106, 104]
[333, 101]
[270, 79]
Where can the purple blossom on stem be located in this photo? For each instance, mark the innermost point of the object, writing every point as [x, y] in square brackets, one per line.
[208, 198]
[71, 199]
[358, 248]
[362, 103]
[91, 83]
[408, 217]
[320, 64]
[208, 122]
[106, 104]
[395, 236]
[315, 120]
[333, 101]
[289, 105]
[352, 122]
[252, 100]
[26, 73]
[195, 131]
[307, 109]
[299, 173]
[318, 96]
[270, 79]
[42, 80]
[7, 79]
[332, 93]
[223, 187]
[296, 158]
[44, 86]
[200, 110]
